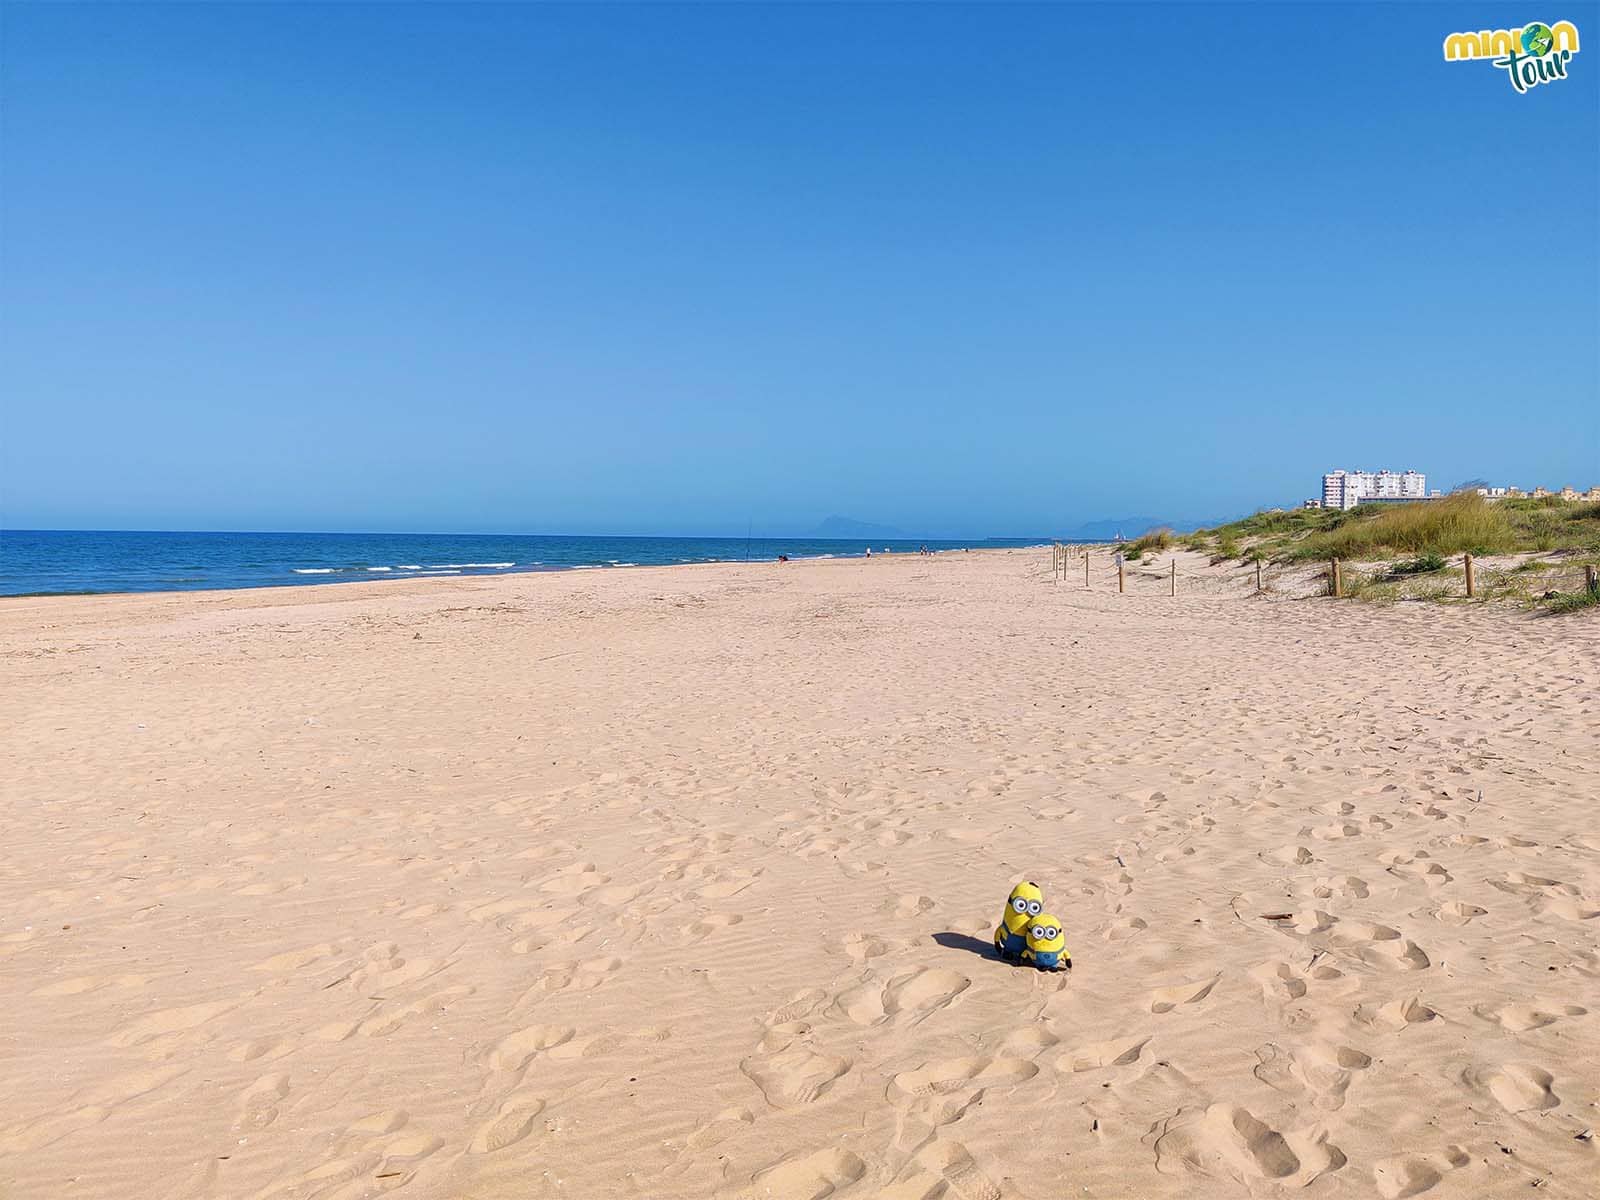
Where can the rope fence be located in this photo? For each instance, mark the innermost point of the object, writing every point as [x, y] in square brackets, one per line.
[1099, 568]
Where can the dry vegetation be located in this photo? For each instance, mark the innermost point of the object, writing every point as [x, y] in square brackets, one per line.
[1414, 550]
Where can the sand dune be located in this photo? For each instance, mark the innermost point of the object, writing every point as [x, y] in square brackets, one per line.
[680, 883]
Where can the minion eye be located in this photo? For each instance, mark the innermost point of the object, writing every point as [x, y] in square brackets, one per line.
[1034, 908]
[1020, 904]
[1038, 932]
[1050, 932]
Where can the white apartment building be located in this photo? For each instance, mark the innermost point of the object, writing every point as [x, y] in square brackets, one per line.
[1346, 489]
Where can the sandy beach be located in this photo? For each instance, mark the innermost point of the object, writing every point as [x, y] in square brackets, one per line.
[680, 882]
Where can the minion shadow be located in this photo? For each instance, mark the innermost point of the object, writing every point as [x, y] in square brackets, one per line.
[965, 941]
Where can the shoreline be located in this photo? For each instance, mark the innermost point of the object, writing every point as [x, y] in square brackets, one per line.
[391, 581]
[365, 573]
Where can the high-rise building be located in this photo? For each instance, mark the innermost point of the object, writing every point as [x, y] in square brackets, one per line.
[1346, 489]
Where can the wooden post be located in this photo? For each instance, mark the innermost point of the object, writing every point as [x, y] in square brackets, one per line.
[1472, 579]
[1258, 576]
[1086, 568]
[1174, 577]
[1337, 581]
[1122, 576]
[1591, 579]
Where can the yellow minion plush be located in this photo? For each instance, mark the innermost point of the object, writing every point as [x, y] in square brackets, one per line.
[1046, 945]
[1011, 936]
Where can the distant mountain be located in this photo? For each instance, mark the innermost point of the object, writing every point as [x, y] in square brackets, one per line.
[845, 527]
[1104, 531]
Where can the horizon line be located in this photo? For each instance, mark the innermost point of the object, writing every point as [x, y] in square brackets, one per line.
[5, 529]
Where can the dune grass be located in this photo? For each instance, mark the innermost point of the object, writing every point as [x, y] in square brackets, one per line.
[1422, 542]
[1462, 523]
[1572, 602]
[1421, 565]
[1154, 541]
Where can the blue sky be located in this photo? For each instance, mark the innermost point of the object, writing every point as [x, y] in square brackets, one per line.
[963, 270]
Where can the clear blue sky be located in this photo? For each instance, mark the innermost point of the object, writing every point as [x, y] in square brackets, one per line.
[963, 270]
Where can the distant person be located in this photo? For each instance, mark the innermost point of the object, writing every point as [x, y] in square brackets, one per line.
[869, 551]
[783, 558]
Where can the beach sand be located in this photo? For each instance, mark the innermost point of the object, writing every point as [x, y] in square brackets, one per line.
[680, 883]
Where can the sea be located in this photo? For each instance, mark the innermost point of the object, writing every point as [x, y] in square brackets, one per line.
[77, 562]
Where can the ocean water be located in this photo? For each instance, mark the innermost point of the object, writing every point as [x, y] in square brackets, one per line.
[53, 562]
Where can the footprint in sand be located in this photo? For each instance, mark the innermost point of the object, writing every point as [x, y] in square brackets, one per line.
[963, 1178]
[822, 846]
[386, 1020]
[582, 976]
[379, 1123]
[1116, 1052]
[1124, 928]
[1516, 1087]
[915, 995]
[698, 931]
[513, 1052]
[1347, 887]
[1166, 999]
[1566, 908]
[719, 1129]
[807, 1177]
[862, 946]
[1028, 1042]
[801, 1004]
[608, 1042]
[1297, 856]
[326, 1177]
[961, 1074]
[266, 1049]
[258, 1104]
[1519, 1018]
[1412, 1174]
[1321, 1069]
[1430, 873]
[514, 1121]
[1381, 945]
[1283, 982]
[795, 1076]
[1396, 1014]
[1456, 912]
[1229, 1142]
[909, 905]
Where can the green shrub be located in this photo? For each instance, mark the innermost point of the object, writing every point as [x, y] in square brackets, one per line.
[1227, 550]
[1572, 601]
[1420, 565]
